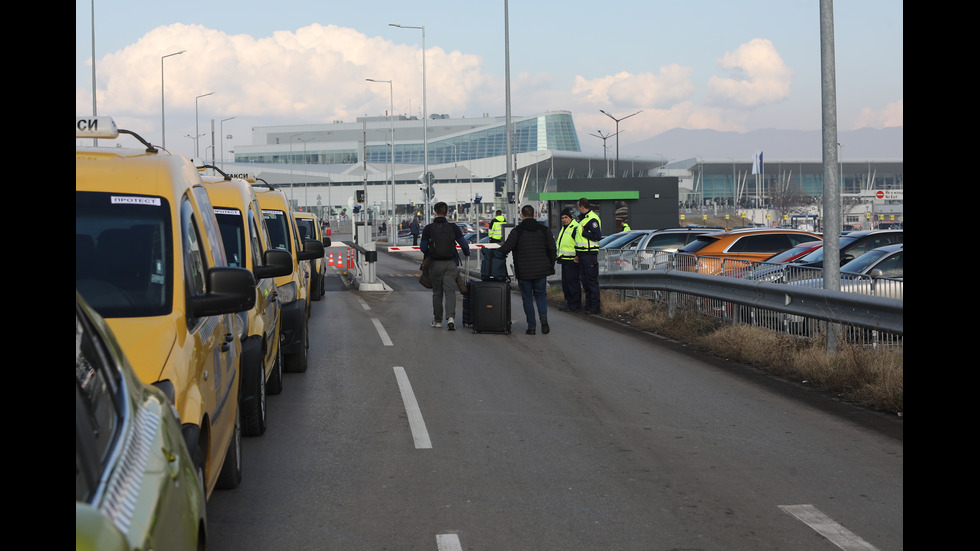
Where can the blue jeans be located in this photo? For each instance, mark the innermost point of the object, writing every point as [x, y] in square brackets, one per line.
[534, 291]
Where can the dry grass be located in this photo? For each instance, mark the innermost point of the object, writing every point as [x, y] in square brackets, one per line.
[871, 377]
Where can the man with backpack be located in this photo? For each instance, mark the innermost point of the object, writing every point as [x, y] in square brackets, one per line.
[438, 243]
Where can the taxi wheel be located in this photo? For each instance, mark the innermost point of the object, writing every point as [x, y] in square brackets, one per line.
[231, 470]
[316, 288]
[274, 385]
[297, 362]
[253, 414]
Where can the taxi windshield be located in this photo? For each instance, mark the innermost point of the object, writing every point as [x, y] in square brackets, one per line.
[124, 253]
[232, 235]
[278, 224]
[307, 228]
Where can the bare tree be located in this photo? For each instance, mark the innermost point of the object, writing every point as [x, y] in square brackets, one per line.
[787, 197]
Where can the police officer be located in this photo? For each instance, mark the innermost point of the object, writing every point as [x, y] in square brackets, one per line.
[571, 283]
[497, 228]
[587, 253]
[626, 226]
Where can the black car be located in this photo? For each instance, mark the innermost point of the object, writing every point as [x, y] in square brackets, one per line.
[853, 245]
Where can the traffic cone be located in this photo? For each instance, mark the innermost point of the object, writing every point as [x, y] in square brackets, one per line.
[330, 262]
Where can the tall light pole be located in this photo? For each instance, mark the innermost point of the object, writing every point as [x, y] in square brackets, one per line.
[510, 183]
[616, 166]
[221, 129]
[425, 123]
[604, 138]
[163, 118]
[391, 116]
[197, 128]
[95, 101]
[292, 177]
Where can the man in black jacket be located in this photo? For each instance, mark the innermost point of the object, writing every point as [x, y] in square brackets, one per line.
[535, 255]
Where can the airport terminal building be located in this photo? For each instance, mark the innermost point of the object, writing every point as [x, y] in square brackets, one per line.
[320, 166]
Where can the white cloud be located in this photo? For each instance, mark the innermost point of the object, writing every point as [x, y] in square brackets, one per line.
[891, 115]
[317, 74]
[645, 90]
[759, 77]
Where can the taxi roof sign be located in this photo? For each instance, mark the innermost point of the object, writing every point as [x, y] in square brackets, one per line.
[247, 176]
[96, 127]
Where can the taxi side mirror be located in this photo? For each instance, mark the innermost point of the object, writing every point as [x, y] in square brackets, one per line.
[312, 249]
[277, 262]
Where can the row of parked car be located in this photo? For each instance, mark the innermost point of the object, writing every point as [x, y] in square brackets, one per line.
[774, 255]
[193, 291]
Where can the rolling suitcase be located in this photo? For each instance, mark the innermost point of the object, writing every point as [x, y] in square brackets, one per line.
[488, 303]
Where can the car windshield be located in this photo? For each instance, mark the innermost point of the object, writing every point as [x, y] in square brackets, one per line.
[124, 253]
[817, 255]
[307, 228]
[278, 224]
[232, 235]
[789, 253]
[610, 238]
[619, 242]
[697, 244]
[864, 263]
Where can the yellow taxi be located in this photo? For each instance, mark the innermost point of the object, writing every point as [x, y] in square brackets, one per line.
[149, 260]
[309, 228]
[136, 486]
[294, 289]
[246, 241]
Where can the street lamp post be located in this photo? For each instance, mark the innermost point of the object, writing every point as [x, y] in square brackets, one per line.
[221, 138]
[604, 138]
[616, 166]
[391, 115]
[163, 118]
[425, 122]
[197, 126]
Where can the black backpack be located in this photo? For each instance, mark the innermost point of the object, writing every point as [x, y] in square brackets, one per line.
[442, 241]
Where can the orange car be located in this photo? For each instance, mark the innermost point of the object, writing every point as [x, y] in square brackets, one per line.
[725, 251]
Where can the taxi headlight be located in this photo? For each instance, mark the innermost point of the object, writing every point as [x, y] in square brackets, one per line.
[287, 293]
[242, 325]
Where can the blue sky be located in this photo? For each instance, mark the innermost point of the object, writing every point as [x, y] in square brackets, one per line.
[722, 65]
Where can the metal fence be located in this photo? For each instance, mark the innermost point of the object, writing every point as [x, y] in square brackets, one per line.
[784, 298]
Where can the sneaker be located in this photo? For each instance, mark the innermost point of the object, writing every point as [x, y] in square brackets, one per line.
[545, 328]
[529, 331]
[452, 324]
[436, 323]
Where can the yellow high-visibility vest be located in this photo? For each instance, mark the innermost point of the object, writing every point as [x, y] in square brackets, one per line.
[566, 241]
[582, 243]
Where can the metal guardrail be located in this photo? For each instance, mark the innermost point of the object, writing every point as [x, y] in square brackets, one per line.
[868, 312]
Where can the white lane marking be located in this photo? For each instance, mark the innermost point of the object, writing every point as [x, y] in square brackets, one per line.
[415, 422]
[364, 305]
[448, 542]
[381, 331]
[826, 527]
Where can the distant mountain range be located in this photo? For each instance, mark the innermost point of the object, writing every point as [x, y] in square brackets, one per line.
[865, 144]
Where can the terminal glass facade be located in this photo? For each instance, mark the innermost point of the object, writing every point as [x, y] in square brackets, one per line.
[552, 131]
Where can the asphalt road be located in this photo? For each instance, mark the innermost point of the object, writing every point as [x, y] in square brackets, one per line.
[594, 437]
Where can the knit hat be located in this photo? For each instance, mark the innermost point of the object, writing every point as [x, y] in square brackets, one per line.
[568, 212]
